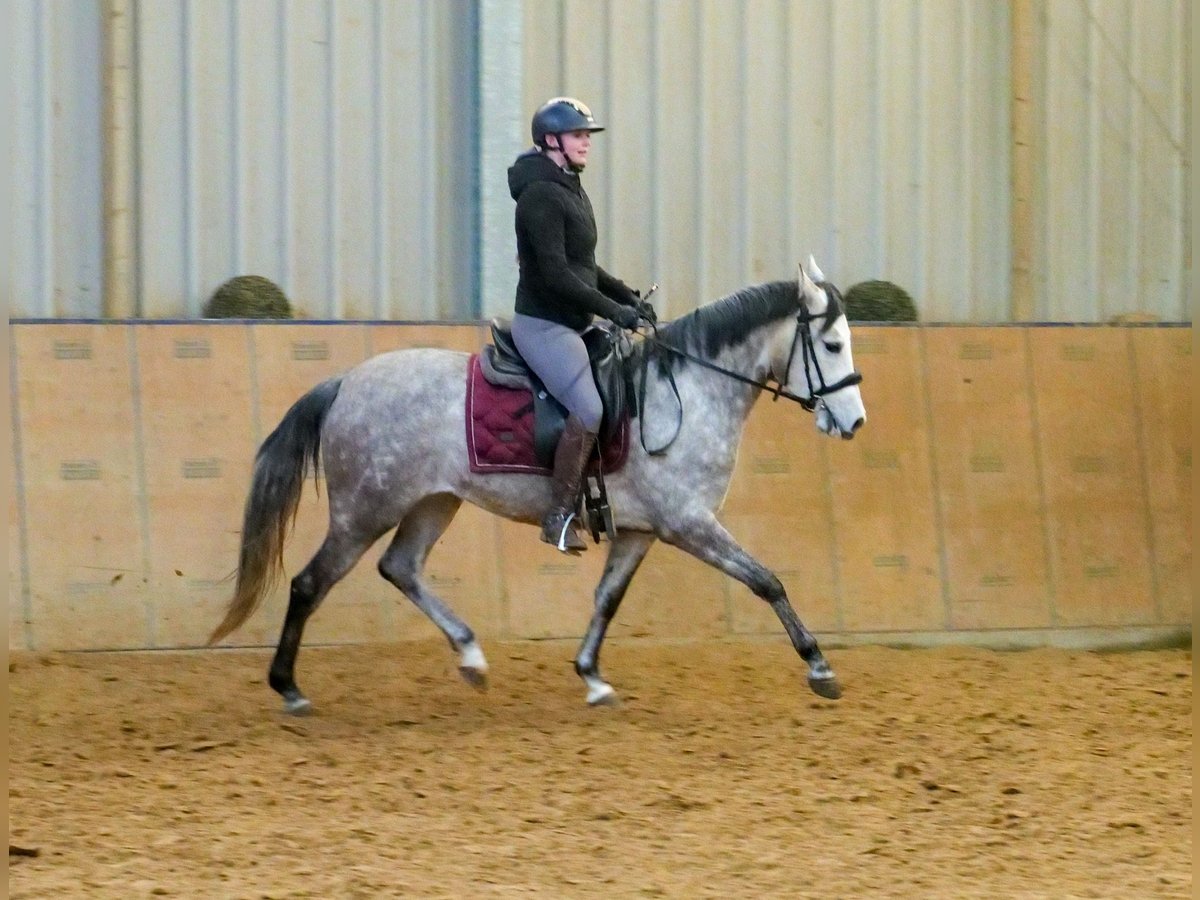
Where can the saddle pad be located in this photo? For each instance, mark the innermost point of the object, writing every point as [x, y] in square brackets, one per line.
[500, 430]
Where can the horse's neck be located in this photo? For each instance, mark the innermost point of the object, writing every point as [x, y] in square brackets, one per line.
[751, 360]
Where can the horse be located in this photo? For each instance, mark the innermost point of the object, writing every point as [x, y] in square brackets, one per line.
[389, 433]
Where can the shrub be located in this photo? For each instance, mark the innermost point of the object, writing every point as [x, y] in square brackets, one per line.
[879, 301]
[248, 297]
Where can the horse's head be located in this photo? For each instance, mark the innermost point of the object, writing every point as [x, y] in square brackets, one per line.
[820, 366]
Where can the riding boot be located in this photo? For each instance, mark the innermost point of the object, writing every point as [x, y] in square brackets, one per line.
[560, 525]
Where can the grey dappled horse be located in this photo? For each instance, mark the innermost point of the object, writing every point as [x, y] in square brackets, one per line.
[392, 437]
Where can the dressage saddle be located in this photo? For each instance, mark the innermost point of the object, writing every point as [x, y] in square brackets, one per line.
[502, 365]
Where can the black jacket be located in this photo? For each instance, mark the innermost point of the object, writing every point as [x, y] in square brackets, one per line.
[556, 247]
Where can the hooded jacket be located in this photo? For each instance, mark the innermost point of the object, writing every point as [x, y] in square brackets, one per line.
[556, 247]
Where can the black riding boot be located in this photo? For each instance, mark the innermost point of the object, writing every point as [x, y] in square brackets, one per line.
[570, 459]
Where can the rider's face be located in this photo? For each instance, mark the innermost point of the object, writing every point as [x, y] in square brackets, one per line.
[575, 146]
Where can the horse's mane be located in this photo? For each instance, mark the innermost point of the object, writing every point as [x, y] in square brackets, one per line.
[724, 323]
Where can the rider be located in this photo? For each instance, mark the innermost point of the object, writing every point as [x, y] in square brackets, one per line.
[560, 289]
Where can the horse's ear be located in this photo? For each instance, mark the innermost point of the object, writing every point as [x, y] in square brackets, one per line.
[809, 292]
[814, 270]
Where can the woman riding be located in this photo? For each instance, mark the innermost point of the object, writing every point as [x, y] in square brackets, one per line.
[560, 289]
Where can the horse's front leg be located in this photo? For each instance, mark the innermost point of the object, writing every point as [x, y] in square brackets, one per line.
[625, 554]
[705, 538]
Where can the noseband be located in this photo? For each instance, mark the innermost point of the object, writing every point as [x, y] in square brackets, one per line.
[802, 336]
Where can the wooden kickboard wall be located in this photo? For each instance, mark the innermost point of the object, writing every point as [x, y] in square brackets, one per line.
[1034, 478]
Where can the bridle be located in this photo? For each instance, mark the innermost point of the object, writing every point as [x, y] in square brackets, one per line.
[816, 394]
[802, 337]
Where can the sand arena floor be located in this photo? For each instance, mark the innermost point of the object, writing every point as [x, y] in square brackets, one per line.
[947, 773]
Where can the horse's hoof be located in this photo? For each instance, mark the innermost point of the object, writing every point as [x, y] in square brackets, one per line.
[297, 706]
[473, 667]
[476, 678]
[602, 695]
[826, 686]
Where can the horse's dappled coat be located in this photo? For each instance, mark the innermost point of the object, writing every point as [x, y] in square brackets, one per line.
[390, 432]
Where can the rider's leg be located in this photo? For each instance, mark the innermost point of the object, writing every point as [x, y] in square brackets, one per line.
[560, 526]
[559, 357]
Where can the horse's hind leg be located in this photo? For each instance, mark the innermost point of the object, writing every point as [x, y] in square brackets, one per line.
[337, 556]
[402, 564]
[625, 554]
[705, 538]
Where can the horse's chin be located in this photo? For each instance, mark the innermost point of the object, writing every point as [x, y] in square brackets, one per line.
[828, 426]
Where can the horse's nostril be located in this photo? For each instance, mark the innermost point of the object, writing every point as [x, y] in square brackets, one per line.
[857, 425]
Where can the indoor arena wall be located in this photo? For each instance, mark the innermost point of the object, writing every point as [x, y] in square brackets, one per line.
[1014, 485]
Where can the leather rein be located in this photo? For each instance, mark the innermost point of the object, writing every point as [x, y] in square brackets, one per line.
[802, 336]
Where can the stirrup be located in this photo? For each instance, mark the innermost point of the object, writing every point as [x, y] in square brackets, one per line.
[565, 532]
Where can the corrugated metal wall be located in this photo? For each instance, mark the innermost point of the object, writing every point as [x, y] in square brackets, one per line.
[331, 146]
[325, 144]
[1110, 139]
[55, 182]
[745, 135]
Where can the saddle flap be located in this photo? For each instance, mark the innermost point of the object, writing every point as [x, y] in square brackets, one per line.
[501, 364]
[502, 372]
[608, 352]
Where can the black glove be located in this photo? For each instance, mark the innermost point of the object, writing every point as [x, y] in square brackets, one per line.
[646, 311]
[626, 317]
[628, 296]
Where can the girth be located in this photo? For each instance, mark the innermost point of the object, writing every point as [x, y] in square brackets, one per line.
[502, 365]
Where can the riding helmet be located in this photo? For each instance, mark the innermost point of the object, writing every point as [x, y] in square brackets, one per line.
[561, 115]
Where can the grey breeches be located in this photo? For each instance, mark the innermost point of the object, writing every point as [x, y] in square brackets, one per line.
[558, 355]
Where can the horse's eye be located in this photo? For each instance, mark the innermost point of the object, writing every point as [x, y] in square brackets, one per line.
[833, 346]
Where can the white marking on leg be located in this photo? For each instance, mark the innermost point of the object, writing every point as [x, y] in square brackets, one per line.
[599, 690]
[301, 706]
[821, 671]
[471, 657]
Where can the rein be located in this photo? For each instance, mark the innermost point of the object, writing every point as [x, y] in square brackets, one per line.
[816, 393]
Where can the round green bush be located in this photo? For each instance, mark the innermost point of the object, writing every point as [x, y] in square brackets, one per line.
[879, 301]
[248, 297]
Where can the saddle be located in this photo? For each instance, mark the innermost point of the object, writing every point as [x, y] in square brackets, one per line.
[501, 365]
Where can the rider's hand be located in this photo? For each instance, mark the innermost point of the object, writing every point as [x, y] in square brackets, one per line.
[626, 317]
[646, 311]
[627, 296]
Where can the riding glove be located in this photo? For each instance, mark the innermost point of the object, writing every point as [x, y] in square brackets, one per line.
[626, 317]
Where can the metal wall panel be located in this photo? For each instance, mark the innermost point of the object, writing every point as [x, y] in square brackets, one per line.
[55, 180]
[743, 136]
[334, 146]
[877, 135]
[323, 144]
[1111, 147]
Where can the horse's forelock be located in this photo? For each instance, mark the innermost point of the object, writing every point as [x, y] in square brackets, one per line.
[836, 308]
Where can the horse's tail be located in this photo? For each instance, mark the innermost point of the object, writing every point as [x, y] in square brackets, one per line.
[280, 469]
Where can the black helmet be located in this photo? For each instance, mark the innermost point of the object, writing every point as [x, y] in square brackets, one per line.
[560, 115]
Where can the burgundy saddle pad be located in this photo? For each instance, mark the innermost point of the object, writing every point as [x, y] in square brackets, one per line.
[500, 430]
